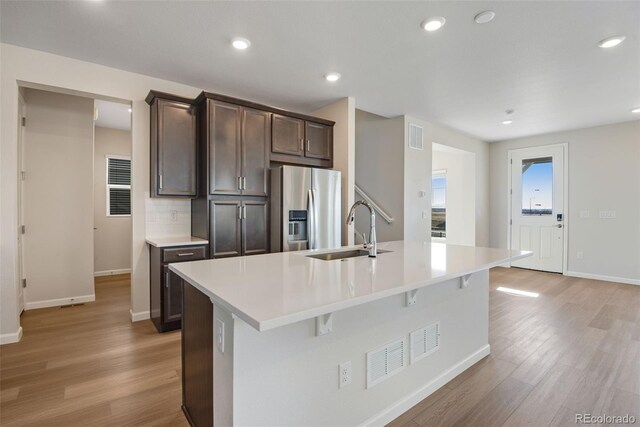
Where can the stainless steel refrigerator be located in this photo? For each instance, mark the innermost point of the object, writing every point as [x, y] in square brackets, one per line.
[305, 208]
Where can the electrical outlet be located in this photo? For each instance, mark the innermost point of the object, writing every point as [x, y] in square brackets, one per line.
[174, 215]
[345, 374]
[579, 255]
[220, 335]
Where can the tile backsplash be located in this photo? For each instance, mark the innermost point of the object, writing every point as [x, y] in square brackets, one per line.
[167, 217]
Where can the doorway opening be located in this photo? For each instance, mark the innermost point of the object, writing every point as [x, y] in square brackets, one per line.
[538, 206]
[453, 195]
[74, 197]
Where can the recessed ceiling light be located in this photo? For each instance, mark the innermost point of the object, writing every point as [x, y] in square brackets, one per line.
[484, 17]
[507, 122]
[433, 24]
[332, 77]
[611, 41]
[240, 43]
[636, 110]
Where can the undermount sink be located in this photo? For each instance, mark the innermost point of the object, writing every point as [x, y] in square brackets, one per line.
[331, 256]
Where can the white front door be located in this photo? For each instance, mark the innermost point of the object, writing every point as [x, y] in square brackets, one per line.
[537, 206]
[21, 167]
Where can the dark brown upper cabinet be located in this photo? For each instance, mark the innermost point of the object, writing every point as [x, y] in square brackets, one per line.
[224, 148]
[288, 135]
[173, 146]
[304, 142]
[318, 141]
[238, 145]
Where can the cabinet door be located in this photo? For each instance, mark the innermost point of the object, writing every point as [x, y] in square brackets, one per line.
[224, 148]
[172, 295]
[176, 145]
[225, 228]
[287, 136]
[256, 140]
[255, 232]
[319, 141]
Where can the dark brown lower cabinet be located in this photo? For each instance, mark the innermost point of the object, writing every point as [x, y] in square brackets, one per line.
[239, 227]
[165, 290]
[197, 357]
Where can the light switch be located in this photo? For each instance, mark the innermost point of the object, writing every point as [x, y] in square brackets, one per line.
[607, 214]
[425, 214]
[220, 335]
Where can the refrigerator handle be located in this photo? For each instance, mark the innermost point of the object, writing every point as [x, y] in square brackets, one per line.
[311, 220]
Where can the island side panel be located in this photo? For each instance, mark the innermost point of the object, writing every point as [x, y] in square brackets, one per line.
[289, 376]
[197, 356]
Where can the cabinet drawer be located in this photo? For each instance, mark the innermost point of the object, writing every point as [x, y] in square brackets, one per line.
[189, 253]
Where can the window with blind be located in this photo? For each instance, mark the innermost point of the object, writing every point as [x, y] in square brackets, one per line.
[118, 186]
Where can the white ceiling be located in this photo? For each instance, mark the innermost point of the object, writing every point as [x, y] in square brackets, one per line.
[539, 58]
[113, 115]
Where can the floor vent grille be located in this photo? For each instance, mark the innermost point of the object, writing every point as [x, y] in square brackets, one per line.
[385, 362]
[424, 341]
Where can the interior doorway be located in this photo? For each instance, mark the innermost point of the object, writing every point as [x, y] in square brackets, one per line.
[538, 206]
[453, 195]
[62, 165]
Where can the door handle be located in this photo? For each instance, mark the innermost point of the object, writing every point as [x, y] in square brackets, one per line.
[311, 221]
[559, 225]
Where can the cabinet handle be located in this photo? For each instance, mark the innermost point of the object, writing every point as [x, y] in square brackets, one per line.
[166, 279]
[239, 212]
[308, 145]
[301, 144]
[239, 183]
[244, 211]
[160, 181]
[186, 254]
[244, 182]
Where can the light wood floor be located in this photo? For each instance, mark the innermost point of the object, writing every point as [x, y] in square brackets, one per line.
[88, 365]
[576, 348]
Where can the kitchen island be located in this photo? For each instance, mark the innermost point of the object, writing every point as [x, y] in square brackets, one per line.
[295, 339]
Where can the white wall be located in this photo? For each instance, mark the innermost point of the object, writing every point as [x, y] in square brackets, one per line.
[417, 180]
[58, 199]
[39, 68]
[260, 363]
[604, 174]
[460, 198]
[439, 134]
[343, 112]
[112, 237]
[379, 171]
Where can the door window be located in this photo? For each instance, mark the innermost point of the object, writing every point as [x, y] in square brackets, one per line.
[537, 186]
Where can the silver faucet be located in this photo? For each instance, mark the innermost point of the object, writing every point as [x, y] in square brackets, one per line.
[373, 244]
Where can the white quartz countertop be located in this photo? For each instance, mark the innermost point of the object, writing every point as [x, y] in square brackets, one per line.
[166, 242]
[273, 290]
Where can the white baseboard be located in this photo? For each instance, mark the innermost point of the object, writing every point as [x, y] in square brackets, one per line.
[604, 278]
[394, 411]
[142, 315]
[58, 302]
[111, 272]
[11, 338]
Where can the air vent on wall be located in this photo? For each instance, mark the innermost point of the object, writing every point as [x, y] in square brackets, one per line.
[385, 362]
[415, 137]
[424, 341]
